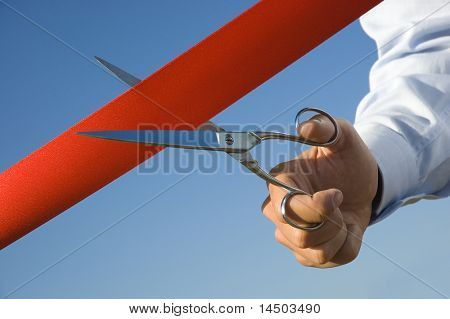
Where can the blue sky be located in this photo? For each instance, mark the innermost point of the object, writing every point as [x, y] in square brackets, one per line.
[205, 236]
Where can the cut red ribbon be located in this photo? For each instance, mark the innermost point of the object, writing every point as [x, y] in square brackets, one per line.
[191, 89]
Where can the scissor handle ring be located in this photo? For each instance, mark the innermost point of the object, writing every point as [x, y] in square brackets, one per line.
[336, 134]
[292, 222]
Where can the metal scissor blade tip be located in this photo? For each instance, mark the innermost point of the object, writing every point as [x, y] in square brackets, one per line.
[99, 59]
[99, 134]
[110, 135]
[122, 75]
[121, 136]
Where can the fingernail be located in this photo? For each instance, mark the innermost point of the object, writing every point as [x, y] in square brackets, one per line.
[338, 197]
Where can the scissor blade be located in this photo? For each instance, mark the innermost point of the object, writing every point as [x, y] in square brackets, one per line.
[131, 80]
[169, 138]
[122, 75]
[204, 140]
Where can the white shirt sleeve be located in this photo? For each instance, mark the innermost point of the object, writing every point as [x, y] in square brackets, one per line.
[405, 118]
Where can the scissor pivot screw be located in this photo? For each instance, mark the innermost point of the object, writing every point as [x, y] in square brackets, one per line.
[229, 139]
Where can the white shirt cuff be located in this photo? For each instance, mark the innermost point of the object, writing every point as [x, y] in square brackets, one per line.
[397, 162]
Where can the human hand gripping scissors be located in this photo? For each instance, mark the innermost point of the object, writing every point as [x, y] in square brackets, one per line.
[235, 144]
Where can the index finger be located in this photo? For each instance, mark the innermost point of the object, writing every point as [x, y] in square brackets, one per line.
[300, 208]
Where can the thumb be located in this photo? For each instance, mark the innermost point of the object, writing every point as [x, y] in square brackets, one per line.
[305, 208]
[317, 129]
[320, 129]
[323, 205]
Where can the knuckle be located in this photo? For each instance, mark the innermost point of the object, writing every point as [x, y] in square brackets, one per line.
[266, 211]
[279, 219]
[270, 214]
[303, 261]
[321, 256]
[278, 236]
[301, 239]
[350, 250]
[351, 256]
[265, 204]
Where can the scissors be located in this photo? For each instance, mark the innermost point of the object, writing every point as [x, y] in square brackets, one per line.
[214, 138]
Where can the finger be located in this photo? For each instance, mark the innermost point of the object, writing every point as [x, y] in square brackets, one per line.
[300, 238]
[351, 247]
[269, 212]
[306, 239]
[325, 252]
[320, 255]
[265, 203]
[280, 238]
[305, 262]
[304, 208]
[277, 194]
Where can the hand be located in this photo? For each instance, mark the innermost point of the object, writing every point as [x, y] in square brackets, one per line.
[343, 179]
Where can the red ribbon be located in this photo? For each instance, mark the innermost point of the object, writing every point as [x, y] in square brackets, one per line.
[191, 89]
